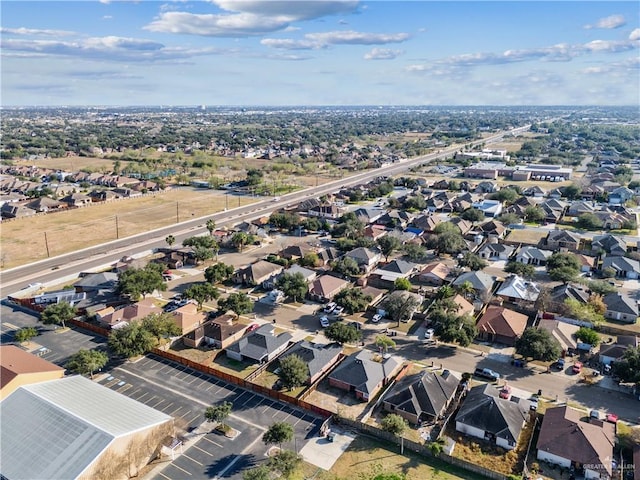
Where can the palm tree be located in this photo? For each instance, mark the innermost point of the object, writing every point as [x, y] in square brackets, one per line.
[466, 289]
[211, 226]
[170, 240]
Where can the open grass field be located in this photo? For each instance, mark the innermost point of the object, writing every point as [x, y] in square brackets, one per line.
[365, 457]
[23, 240]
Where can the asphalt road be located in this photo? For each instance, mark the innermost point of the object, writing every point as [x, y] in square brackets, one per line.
[71, 264]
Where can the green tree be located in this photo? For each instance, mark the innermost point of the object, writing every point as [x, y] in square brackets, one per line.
[402, 284]
[415, 252]
[161, 325]
[87, 362]
[346, 266]
[451, 327]
[170, 239]
[472, 215]
[522, 269]
[254, 176]
[294, 371]
[202, 253]
[446, 291]
[509, 218]
[25, 334]
[211, 226]
[563, 267]
[278, 433]
[240, 303]
[589, 221]
[218, 413]
[447, 242]
[600, 287]
[506, 195]
[466, 289]
[285, 463]
[131, 341]
[202, 292]
[538, 344]
[388, 244]
[394, 423]
[293, 285]
[588, 335]
[534, 214]
[583, 311]
[310, 259]
[342, 333]
[58, 314]
[137, 282]
[628, 367]
[572, 191]
[218, 273]
[472, 261]
[563, 274]
[239, 240]
[400, 307]
[384, 342]
[353, 300]
[200, 241]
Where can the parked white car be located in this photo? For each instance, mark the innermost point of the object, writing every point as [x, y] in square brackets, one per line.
[376, 318]
[324, 322]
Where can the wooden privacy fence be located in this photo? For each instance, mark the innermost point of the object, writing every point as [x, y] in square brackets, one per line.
[419, 448]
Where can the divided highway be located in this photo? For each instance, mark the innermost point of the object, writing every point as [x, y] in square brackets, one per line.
[73, 263]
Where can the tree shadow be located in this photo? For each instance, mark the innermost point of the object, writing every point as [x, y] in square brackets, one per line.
[240, 463]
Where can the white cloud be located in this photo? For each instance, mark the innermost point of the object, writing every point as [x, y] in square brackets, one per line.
[635, 35]
[314, 41]
[382, 54]
[108, 48]
[555, 53]
[35, 31]
[612, 21]
[247, 17]
[107, 17]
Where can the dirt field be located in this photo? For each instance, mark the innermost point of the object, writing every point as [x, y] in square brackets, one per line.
[23, 240]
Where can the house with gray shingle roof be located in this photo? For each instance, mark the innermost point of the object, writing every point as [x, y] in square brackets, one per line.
[422, 397]
[384, 277]
[366, 258]
[621, 307]
[361, 374]
[533, 256]
[623, 266]
[487, 416]
[318, 357]
[482, 282]
[561, 240]
[495, 251]
[260, 273]
[610, 244]
[262, 345]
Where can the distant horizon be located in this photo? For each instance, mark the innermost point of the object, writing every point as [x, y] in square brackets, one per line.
[292, 106]
[320, 53]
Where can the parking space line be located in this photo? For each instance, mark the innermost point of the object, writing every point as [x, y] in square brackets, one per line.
[185, 414]
[211, 441]
[174, 465]
[203, 451]
[206, 380]
[168, 406]
[193, 460]
[197, 416]
[168, 478]
[267, 408]
[161, 400]
[237, 400]
[194, 379]
[131, 394]
[139, 399]
[299, 420]
[124, 388]
[277, 411]
[175, 411]
[147, 402]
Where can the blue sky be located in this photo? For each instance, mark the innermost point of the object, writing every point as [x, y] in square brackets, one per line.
[264, 52]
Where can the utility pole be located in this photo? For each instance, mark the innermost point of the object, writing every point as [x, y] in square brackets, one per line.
[117, 229]
[177, 215]
[226, 200]
[46, 244]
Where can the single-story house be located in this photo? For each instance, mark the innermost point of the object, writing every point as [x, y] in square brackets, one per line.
[260, 273]
[93, 282]
[623, 266]
[517, 289]
[308, 274]
[621, 307]
[568, 440]
[533, 256]
[490, 208]
[562, 331]
[485, 415]
[219, 332]
[495, 251]
[501, 325]
[318, 357]
[482, 282]
[385, 277]
[434, 274]
[262, 345]
[362, 374]
[188, 317]
[131, 313]
[560, 293]
[325, 287]
[611, 352]
[423, 397]
[366, 258]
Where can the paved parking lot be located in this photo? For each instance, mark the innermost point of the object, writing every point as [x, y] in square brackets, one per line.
[51, 344]
[184, 394]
